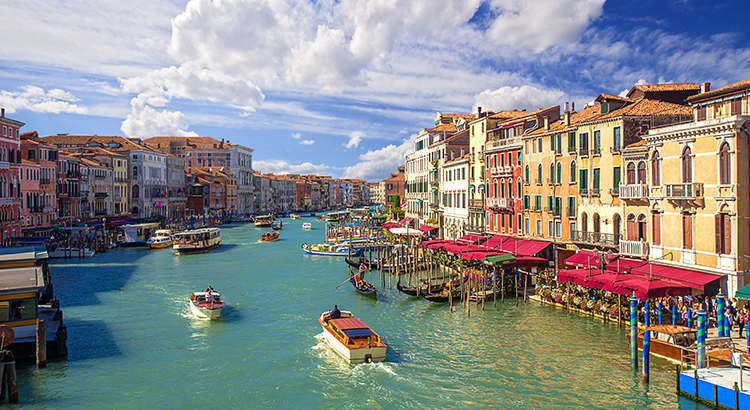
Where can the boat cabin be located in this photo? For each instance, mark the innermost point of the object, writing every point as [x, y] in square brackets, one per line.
[353, 333]
[137, 234]
[674, 335]
[198, 235]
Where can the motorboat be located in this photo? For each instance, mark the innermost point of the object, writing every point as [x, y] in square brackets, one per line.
[197, 240]
[269, 237]
[294, 216]
[162, 239]
[263, 221]
[330, 250]
[306, 226]
[70, 252]
[135, 235]
[351, 338]
[206, 304]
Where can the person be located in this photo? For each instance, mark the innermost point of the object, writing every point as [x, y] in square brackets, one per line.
[335, 313]
[210, 297]
[740, 320]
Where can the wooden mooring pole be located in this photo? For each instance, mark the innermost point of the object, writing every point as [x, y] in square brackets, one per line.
[41, 343]
[9, 380]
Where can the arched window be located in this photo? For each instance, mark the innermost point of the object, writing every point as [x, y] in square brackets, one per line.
[559, 173]
[642, 227]
[573, 171]
[687, 165]
[616, 225]
[584, 222]
[136, 192]
[724, 165]
[630, 173]
[502, 190]
[510, 188]
[495, 189]
[520, 188]
[526, 178]
[641, 172]
[655, 169]
[552, 173]
[539, 174]
[597, 224]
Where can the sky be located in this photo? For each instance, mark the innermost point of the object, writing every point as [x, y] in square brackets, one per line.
[342, 87]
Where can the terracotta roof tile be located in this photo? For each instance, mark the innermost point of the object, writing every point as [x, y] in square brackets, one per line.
[605, 96]
[646, 107]
[641, 143]
[646, 88]
[741, 85]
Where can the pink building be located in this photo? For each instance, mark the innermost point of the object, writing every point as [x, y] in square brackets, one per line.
[10, 188]
[39, 207]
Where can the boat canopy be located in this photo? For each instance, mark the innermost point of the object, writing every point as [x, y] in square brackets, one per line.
[352, 333]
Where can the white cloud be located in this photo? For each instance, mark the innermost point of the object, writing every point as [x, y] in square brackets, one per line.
[144, 121]
[296, 135]
[35, 99]
[355, 137]
[283, 167]
[376, 165]
[539, 24]
[307, 142]
[509, 98]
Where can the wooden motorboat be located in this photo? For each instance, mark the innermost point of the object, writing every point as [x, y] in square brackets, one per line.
[206, 304]
[325, 249]
[671, 342]
[263, 221]
[70, 252]
[363, 287]
[352, 339]
[306, 226]
[162, 239]
[269, 237]
[197, 240]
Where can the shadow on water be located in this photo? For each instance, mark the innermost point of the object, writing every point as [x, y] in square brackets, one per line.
[77, 285]
[90, 339]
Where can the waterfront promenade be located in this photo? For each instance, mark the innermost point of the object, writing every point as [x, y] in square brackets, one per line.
[134, 344]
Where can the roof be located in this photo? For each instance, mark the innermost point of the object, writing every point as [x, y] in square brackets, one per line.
[587, 114]
[647, 107]
[444, 127]
[640, 143]
[605, 96]
[124, 144]
[349, 323]
[21, 279]
[738, 86]
[657, 88]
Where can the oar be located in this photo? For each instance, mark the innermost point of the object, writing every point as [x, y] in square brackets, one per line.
[343, 282]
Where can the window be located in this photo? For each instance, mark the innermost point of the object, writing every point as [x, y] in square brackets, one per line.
[558, 174]
[630, 174]
[551, 173]
[723, 233]
[687, 231]
[135, 171]
[571, 207]
[519, 158]
[583, 181]
[539, 227]
[527, 226]
[573, 171]
[597, 223]
[572, 229]
[550, 228]
[597, 142]
[526, 176]
[539, 174]
[724, 165]
[687, 165]
[597, 175]
[571, 141]
[642, 172]
[655, 168]
[537, 202]
[700, 113]
[616, 177]
[584, 143]
[539, 143]
[558, 229]
[617, 139]
[584, 222]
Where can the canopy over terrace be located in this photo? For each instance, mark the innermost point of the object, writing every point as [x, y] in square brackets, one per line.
[743, 292]
[587, 258]
[470, 239]
[707, 283]
[406, 231]
[522, 247]
[499, 260]
[391, 224]
[427, 228]
[479, 255]
[623, 283]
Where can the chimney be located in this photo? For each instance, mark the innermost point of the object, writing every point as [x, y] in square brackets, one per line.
[546, 123]
[573, 106]
[567, 118]
[567, 106]
[705, 87]
[2, 112]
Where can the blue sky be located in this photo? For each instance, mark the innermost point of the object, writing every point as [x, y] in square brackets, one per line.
[341, 87]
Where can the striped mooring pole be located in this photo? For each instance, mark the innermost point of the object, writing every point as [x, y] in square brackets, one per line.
[720, 314]
[633, 332]
[674, 314]
[701, 356]
[690, 317]
[658, 308]
[646, 344]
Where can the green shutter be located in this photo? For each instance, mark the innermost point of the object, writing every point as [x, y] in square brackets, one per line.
[597, 173]
[617, 177]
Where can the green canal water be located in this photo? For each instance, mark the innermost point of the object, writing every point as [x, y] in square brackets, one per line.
[134, 344]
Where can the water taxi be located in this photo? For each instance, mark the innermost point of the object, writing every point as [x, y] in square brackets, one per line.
[197, 240]
[206, 304]
[162, 239]
[294, 216]
[325, 249]
[306, 226]
[135, 235]
[269, 237]
[263, 221]
[352, 339]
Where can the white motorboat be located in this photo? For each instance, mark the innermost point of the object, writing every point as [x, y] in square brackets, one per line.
[66, 252]
[294, 216]
[206, 304]
[352, 339]
[162, 239]
[306, 226]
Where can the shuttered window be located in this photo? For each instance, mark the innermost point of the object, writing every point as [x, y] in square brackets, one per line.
[723, 230]
[701, 113]
[724, 165]
[736, 107]
[687, 231]
[631, 227]
[656, 228]
[687, 165]
[655, 170]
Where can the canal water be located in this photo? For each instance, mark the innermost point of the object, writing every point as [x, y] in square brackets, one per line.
[134, 344]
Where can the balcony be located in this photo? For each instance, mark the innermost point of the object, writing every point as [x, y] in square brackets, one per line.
[596, 152]
[552, 182]
[121, 180]
[639, 249]
[538, 181]
[434, 205]
[583, 152]
[118, 198]
[614, 191]
[6, 201]
[504, 143]
[100, 195]
[689, 191]
[4, 165]
[637, 192]
[572, 150]
[48, 209]
[36, 209]
[100, 212]
[595, 192]
[44, 181]
[73, 174]
[99, 177]
[615, 150]
[434, 183]
[501, 204]
[476, 204]
[554, 210]
[583, 191]
[596, 238]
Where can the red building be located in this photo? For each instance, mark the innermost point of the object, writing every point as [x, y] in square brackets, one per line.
[10, 186]
[395, 185]
[68, 189]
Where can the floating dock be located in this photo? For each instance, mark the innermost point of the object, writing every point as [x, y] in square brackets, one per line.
[718, 387]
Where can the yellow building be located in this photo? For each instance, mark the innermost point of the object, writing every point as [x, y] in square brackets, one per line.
[699, 179]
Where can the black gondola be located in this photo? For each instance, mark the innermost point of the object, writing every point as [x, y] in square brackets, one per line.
[358, 262]
[442, 297]
[364, 288]
[412, 291]
[278, 226]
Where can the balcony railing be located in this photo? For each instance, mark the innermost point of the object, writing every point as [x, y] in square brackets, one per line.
[73, 174]
[685, 191]
[634, 191]
[6, 201]
[595, 192]
[44, 181]
[48, 208]
[614, 191]
[554, 210]
[476, 203]
[36, 209]
[121, 180]
[572, 150]
[101, 195]
[100, 212]
[634, 248]
[596, 152]
[434, 183]
[551, 181]
[583, 191]
[538, 181]
[4, 165]
[597, 238]
[497, 144]
[434, 205]
[583, 152]
[502, 204]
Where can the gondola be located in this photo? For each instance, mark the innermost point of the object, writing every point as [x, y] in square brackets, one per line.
[443, 296]
[277, 226]
[358, 262]
[412, 291]
[364, 288]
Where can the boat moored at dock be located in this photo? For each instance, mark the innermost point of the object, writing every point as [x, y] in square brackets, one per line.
[162, 239]
[197, 240]
[136, 235]
[71, 252]
[206, 304]
[352, 339]
[325, 249]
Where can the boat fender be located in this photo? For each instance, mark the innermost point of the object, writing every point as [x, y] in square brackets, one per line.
[368, 358]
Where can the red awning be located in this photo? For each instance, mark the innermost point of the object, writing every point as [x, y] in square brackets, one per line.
[427, 228]
[471, 239]
[574, 276]
[478, 255]
[694, 279]
[425, 244]
[585, 258]
[405, 221]
[495, 241]
[625, 265]
[391, 224]
[529, 261]
[531, 248]
[349, 323]
[645, 288]
[438, 245]
[509, 245]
